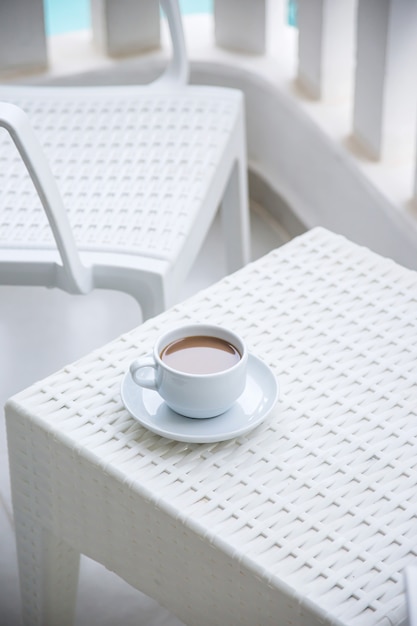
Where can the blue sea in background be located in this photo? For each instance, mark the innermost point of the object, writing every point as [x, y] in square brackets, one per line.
[62, 16]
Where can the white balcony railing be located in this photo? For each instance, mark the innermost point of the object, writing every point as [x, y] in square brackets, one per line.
[331, 106]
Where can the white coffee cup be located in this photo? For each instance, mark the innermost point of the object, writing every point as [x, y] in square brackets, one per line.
[195, 393]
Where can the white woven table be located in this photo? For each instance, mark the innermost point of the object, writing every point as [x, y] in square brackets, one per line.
[308, 519]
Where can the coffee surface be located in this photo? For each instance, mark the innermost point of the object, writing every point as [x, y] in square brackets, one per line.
[200, 355]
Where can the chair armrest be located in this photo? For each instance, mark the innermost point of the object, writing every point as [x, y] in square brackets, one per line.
[177, 71]
[17, 123]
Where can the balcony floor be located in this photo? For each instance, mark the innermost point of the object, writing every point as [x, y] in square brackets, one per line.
[41, 331]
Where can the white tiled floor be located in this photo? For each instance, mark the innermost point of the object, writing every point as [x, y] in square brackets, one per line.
[42, 330]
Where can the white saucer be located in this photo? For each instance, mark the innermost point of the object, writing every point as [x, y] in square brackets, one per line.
[253, 406]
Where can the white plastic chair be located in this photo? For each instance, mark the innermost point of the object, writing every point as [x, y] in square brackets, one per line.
[130, 179]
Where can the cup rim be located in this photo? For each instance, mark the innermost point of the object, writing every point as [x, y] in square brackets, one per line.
[200, 329]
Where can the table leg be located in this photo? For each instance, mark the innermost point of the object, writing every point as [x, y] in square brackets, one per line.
[48, 570]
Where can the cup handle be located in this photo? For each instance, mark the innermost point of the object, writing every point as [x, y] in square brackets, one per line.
[136, 371]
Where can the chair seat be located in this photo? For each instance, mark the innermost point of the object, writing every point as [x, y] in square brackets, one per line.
[132, 165]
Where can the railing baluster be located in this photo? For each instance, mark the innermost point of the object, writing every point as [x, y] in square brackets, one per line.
[22, 36]
[326, 47]
[125, 26]
[386, 86]
[240, 25]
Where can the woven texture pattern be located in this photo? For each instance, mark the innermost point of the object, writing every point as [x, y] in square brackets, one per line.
[146, 158]
[308, 519]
